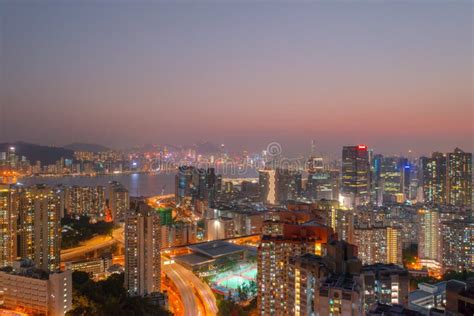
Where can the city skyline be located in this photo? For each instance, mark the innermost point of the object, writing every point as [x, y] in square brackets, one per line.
[218, 158]
[394, 76]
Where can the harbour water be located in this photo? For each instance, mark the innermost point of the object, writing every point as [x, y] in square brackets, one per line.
[138, 184]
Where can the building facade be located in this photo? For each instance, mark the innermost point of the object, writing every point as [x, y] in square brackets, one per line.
[142, 249]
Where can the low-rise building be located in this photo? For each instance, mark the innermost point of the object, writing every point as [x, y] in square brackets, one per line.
[385, 284]
[97, 268]
[427, 297]
[35, 291]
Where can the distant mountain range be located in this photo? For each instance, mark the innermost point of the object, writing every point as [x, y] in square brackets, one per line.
[86, 147]
[46, 154]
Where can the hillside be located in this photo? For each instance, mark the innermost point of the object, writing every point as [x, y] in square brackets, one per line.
[86, 147]
[46, 154]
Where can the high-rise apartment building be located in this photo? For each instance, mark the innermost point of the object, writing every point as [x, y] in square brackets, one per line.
[342, 222]
[274, 253]
[39, 227]
[379, 243]
[457, 243]
[86, 200]
[325, 285]
[356, 174]
[8, 224]
[459, 178]
[434, 178]
[429, 241]
[447, 179]
[119, 201]
[142, 249]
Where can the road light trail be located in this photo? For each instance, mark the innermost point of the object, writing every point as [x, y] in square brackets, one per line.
[190, 301]
[202, 289]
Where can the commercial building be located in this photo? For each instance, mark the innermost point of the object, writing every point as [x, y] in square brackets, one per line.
[206, 257]
[356, 174]
[391, 179]
[142, 249]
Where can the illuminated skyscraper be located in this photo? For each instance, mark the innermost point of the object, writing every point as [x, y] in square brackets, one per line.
[184, 184]
[195, 185]
[142, 249]
[434, 179]
[459, 179]
[392, 179]
[356, 174]
[40, 226]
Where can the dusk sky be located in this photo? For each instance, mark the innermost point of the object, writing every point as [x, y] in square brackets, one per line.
[393, 75]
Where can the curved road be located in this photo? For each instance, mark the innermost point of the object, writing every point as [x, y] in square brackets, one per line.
[191, 304]
[93, 244]
[203, 290]
[189, 286]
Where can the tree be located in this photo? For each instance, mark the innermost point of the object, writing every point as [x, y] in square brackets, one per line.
[108, 297]
[242, 293]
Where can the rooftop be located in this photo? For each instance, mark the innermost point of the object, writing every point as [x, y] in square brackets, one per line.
[216, 249]
[426, 290]
[194, 259]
